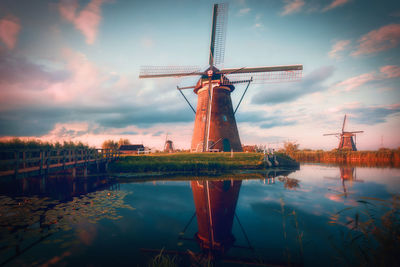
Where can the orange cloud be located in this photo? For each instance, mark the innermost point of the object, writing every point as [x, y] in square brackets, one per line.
[338, 47]
[357, 81]
[86, 21]
[292, 6]
[390, 71]
[335, 4]
[382, 39]
[9, 29]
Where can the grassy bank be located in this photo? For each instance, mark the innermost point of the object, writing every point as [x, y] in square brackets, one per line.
[383, 157]
[194, 162]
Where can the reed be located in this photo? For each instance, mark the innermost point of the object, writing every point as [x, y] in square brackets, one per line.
[382, 157]
[370, 239]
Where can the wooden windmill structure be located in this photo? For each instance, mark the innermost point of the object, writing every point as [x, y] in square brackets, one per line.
[346, 138]
[215, 125]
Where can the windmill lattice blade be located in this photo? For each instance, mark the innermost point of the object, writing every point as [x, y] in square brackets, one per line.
[169, 71]
[262, 69]
[344, 122]
[218, 34]
[331, 134]
[356, 132]
[264, 77]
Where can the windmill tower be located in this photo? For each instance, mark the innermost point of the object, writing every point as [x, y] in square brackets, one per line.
[346, 138]
[215, 125]
[169, 146]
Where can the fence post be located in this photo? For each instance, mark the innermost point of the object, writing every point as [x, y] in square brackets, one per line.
[16, 156]
[23, 160]
[41, 162]
[63, 152]
[48, 156]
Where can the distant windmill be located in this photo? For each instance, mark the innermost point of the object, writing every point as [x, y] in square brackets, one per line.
[346, 138]
[215, 125]
[169, 146]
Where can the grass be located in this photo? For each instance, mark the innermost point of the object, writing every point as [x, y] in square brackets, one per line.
[193, 162]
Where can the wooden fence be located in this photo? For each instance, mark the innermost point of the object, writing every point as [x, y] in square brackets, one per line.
[32, 162]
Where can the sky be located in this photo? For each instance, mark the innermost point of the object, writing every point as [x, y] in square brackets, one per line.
[69, 70]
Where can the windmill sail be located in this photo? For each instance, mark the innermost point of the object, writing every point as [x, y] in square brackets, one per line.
[218, 34]
[169, 71]
[344, 122]
[264, 74]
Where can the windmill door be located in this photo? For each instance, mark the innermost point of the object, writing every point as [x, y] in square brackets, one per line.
[227, 145]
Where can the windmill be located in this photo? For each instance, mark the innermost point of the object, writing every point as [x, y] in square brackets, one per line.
[346, 138]
[169, 146]
[215, 125]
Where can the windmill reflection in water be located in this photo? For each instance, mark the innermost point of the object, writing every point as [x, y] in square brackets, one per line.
[348, 174]
[215, 210]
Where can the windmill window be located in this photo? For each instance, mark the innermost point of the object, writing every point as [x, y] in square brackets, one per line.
[224, 118]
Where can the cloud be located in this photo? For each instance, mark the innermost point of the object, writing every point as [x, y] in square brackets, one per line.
[338, 47]
[292, 6]
[17, 70]
[9, 30]
[244, 11]
[274, 119]
[390, 71]
[335, 4]
[34, 98]
[382, 39]
[371, 115]
[280, 94]
[386, 72]
[355, 82]
[87, 20]
[275, 122]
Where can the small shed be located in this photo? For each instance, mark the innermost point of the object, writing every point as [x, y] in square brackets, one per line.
[131, 149]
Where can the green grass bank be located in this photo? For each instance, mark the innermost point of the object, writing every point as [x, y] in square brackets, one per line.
[196, 162]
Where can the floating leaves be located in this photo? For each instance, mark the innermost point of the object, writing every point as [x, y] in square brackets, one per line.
[25, 219]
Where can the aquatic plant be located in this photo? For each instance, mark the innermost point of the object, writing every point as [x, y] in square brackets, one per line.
[30, 220]
[163, 260]
[369, 239]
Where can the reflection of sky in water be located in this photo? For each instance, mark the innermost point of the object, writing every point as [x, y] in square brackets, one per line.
[162, 209]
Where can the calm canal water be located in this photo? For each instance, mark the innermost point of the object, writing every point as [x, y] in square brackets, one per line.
[301, 217]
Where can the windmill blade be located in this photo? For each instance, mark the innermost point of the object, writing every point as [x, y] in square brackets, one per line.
[344, 122]
[356, 132]
[331, 134]
[169, 71]
[264, 74]
[218, 34]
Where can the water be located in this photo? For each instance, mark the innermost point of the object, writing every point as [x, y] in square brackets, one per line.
[291, 218]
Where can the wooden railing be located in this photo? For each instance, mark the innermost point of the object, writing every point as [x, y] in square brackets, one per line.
[19, 161]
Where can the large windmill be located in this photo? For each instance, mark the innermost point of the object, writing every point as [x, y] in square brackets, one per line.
[346, 138]
[215, 125]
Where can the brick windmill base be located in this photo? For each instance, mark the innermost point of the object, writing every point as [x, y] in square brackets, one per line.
[222, 130]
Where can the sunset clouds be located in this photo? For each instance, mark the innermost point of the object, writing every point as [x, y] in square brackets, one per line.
[69, 68]
[338, 47]
[86, 21]
[382, 39]
[292, 6]
[335, 3]
[9, 30]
